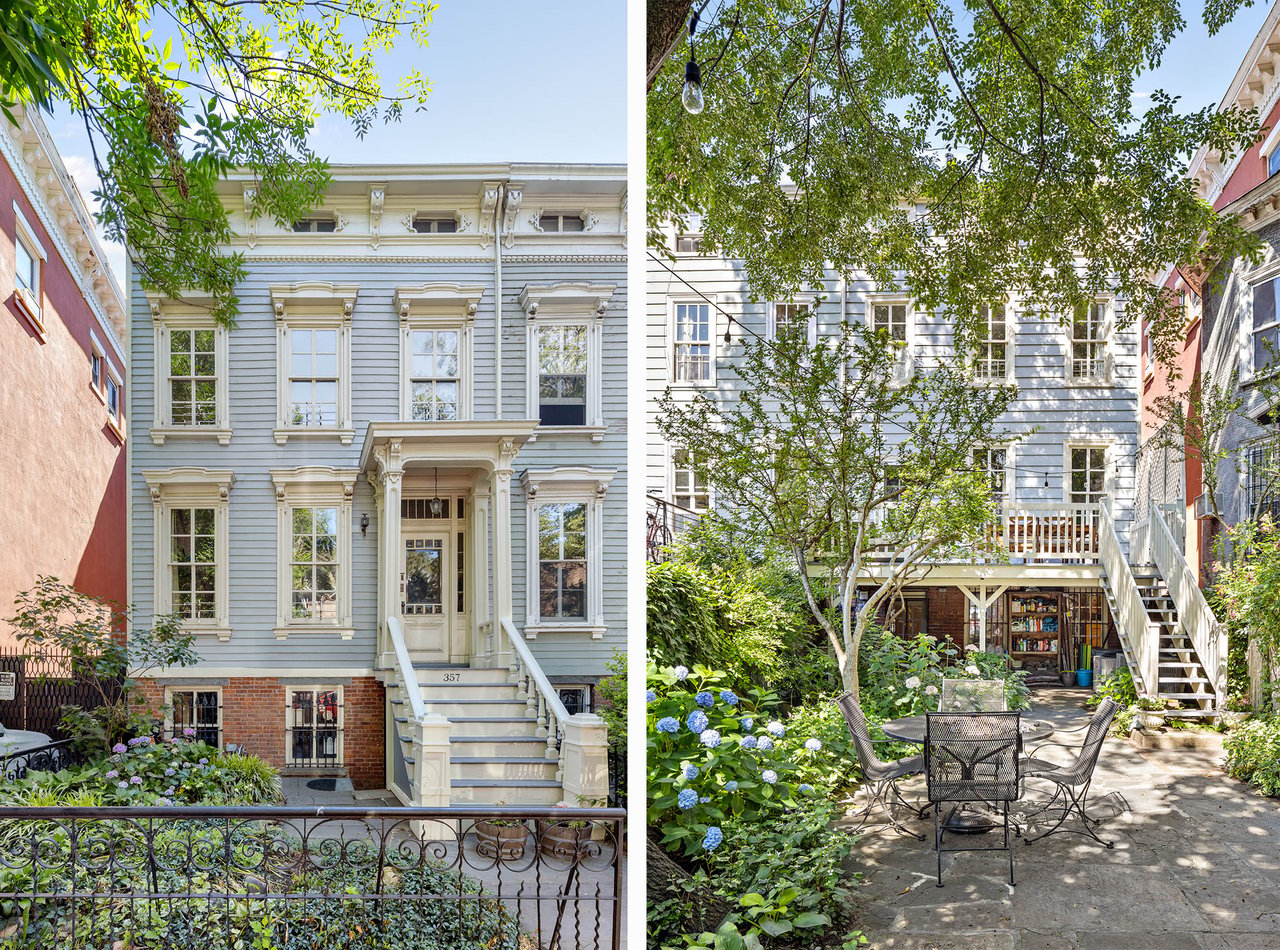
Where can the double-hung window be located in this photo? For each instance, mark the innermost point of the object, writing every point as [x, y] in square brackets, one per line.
[890, 318]
[993, 462]
[565, 550]
[1089, 333]
[692, 357]
[191, 546]
[196, 714]
[191, 399]
[793, 320]
[1264, 475]
[688, 487]
[436, 325]
[313, 361]
[193, 377]
[314, 566]
[992, 358]
[435, 374]
[562, 375]
[566, 331]
[1087, 475]
[1266, 324]
[28, 264]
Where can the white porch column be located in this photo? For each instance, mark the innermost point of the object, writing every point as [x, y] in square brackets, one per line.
[585, 760]
[502, 599]
[482, 641]
[386, 656]
[390, 473]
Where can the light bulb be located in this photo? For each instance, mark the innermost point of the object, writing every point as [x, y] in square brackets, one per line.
[692, 95]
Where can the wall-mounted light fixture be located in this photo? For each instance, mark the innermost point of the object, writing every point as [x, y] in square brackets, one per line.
[364, 524]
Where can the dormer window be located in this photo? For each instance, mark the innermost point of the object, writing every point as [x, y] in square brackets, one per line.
[435, 224]
[316, 224]
[561, 222]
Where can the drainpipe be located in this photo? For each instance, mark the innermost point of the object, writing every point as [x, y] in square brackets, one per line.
[499, 210]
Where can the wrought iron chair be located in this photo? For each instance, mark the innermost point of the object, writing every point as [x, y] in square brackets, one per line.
[1072, 780]
[972, 696]
[880, 779]
[973, 757]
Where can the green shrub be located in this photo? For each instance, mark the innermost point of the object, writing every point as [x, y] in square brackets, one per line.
[1253, 754]
[904, 676]
[1118, 685]
[613, 700]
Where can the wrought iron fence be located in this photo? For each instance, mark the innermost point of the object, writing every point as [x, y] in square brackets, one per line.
[42, 685]
[52, 757]
[293, 878]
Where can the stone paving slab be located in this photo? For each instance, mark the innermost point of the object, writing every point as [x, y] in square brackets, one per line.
[1195, 866]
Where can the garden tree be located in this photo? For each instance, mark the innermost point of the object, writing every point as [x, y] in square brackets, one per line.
[1247, 590]
[961, 151]
[859, 477]
[56, 620]
[176, 93]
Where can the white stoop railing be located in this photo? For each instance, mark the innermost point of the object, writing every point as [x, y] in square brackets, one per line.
[578, 743]
[1139, 635]
[1207, 634]
[426, 734]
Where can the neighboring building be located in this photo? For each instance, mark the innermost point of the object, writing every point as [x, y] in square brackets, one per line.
[1066, 489]
[391, 501]
[62, 381]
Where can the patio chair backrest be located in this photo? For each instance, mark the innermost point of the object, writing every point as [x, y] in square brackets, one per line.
[971, 757]
[972, 696]
[1081, 770]
[857, 723]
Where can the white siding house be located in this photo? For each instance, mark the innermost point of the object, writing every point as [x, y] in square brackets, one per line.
[391, 501]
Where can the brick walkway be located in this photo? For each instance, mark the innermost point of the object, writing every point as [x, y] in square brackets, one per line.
[1196, 866]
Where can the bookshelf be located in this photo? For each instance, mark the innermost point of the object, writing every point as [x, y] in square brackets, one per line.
[1034, 625]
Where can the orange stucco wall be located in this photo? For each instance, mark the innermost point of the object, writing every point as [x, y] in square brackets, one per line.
[62, 467]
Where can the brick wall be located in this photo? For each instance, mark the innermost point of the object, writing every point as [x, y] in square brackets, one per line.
[948, 614]
[253, 717]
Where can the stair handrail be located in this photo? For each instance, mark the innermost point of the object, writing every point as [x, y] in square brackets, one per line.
[534, 687]
[1132, 619]
[1206, 632]
[408, 678]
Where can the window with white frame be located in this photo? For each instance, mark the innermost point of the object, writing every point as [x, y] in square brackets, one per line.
[1087, 475]
[891, 318]
[316, 224]
[688, 243]
[562, 375]
[1089, 332]
[313, 360]
[555, 221]
[191, 546]
[435, 374]
[314, 723]
[435, 224]
[1266, 324]
[794, 319]
[576, 699]
[28, 264]
[992, 358]
[566, 324]
[1264, 473]
[195, 713]
[95, 369]
[191, 373]
[692, 353]
[993, 462]
[113, 397]
[314, 567]
[313, 377]
[688, 487]
[565, 554]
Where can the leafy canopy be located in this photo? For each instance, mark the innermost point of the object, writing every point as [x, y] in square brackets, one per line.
[175, 94]
[958, 150]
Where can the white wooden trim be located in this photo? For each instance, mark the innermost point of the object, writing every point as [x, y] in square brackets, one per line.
[30, 303]
[711, 302]
[192, 688]
[317, 687]
[811, 322]
[313, 306]
[1108, 338]
[187, 314]
[466, 361]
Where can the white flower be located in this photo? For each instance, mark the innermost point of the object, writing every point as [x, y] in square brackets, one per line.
[931, 690]
[973, 670]
[813, 745]
[913, 682]
[970, 648]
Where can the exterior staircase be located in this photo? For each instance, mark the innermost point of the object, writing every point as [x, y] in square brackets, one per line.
[498, 750]
[1181, 677]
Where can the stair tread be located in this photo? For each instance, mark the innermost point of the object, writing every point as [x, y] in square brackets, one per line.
[528, 719]
[484, 702]
[503, 759]
[542, 739]
[504, 782]
[502, 683]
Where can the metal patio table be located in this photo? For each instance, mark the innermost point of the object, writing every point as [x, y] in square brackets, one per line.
[911, 729]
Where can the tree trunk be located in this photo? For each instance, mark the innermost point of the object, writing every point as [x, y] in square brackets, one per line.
[667, 19]
[665, 878]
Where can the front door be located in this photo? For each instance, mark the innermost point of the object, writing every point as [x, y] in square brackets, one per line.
[425, 594]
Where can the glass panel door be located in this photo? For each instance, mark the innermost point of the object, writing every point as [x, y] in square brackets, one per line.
[423, 577]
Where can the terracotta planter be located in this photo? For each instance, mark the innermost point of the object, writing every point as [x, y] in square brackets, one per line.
[561, 841]
[504, 842]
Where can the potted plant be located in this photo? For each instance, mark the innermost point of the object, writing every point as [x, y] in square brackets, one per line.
[1235, 711]
[1150, 712]
[501, 838]
[564, 839]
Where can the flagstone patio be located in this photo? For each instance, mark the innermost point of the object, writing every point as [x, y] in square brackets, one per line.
[1196, 866]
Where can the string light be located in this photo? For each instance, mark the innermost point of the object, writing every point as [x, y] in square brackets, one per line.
[691, 96]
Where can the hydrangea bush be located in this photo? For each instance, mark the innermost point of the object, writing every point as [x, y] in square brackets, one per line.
[905, 675]
[714, 754]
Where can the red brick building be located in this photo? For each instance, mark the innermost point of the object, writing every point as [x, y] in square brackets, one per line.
[62, 381]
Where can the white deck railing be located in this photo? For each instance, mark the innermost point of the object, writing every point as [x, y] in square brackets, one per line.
[532, 685]
[1139, 635]
[1208, 636]
[1039, 533]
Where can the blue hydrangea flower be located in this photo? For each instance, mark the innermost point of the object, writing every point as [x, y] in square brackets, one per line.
[681, 672]
[748, 742]
[777, 729]
[806, 788]
[813, 745]
[170, 771]
[691, 772]
[769, 776]
[713, 838]
[730, 786]
[765, 744]
[709, 738]
[668, 724]
[705, 699]
[122, 784]
[727, 696]
[111, 774]
[119, 747]
[650, 695]
[687, 799]
[136, 780]
[704, 799]
[697, 721]
[748, 722]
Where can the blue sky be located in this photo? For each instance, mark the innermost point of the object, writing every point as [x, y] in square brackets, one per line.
[520, 81]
